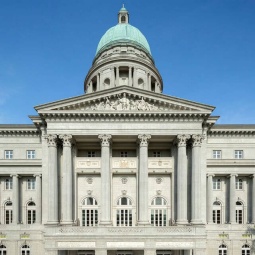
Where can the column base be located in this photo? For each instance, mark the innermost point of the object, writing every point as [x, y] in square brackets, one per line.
[66, 222]
[52, 223]
[182, 222]
[143, 223]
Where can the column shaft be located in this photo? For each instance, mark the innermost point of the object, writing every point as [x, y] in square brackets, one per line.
[105, 180]
[38, 199]
[117, 76]
[143, 180]
[15, 217]
[182, 181]
[67, 181]
[210, 198]
[196, 180]
[134, 78]
[232, 199]
[253, 199]
[53, 180]
[130, 76]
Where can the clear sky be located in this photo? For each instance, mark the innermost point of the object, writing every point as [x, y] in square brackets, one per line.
[204, 50]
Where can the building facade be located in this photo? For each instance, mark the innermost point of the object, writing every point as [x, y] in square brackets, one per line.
[126, 170]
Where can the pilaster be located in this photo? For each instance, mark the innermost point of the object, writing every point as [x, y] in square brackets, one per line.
[105, 180]
[38, 182]
[67, 181]
[182, 182]
[143, 179]
[253, 198]
[232, 199]
[210, 198]
[16, 196]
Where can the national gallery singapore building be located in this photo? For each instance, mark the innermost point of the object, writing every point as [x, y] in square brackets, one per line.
[124, 169]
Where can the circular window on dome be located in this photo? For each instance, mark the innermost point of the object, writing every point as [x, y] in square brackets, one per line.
[140, 82]
[107, 82]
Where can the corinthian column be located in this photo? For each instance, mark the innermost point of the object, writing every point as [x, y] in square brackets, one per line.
[182, 179]
[253, 198]
[232, 199]
[143, 180]
[105, 180]
[196, 180]
[210, 198]
[15, 182]
[38, 182]
[67, 182]
[52, 179]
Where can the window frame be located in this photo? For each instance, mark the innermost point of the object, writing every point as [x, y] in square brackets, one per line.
[217, 183]
[30, 154]
[239, 184]
[31, 213]
[89, 212]
[246, 249]
[8, 154]
[239, 210]
[91, 154]
[3, 249]
[8, 184]
[123, 154]
[124, 212]
[223, 249]
[158, 212]
[156, 154]
[25, 249]
[217, 212]
[239, 154]
[217, 154]
[31, 183]
[8, 212]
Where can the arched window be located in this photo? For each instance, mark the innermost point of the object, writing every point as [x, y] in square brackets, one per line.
[239, 184]
[25, 250]
[223, 250]
[124, 212]
[158, 212]
[31, 212]
[8, 212]
[239, 212]
[3, 250]
[246, 250]
[8, 183]
[123, 19]
[89, 212]
[217, 212]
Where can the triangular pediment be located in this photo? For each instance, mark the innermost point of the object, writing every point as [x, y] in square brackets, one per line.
[125, 99]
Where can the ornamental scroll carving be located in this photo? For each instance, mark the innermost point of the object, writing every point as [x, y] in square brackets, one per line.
[196, 140]
[67, 140]
[52, 140]
[181, 140]
[125, 104]
[105, 139]
[144, 139]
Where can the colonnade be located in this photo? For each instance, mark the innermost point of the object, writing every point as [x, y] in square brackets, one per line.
[132, 79]
[143, 141]
[16, 216]
[232, 198]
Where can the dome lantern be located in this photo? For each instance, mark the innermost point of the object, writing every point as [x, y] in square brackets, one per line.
[123, 16]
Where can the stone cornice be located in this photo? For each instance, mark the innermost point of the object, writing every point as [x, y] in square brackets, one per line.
[74, 116]
[19, 130]
[231, 133]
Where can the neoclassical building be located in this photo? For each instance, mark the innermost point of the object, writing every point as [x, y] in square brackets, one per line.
[124, 169]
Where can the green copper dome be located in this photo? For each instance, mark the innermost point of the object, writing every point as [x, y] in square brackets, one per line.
[123, 33]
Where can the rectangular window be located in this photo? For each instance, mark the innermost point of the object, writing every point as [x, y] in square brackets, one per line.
[31, 154]
[8, 184]
[238, 154]
[8, 154]
[124, 154]
[216, 154]
[89, 217]
[158, 217]
[216, 184]
[239, 184]
[31, 215]
[124, 218]
[31, 184]
[216, 216]
[8, 216]
[156, 154]
[239, 216]
[91, 154]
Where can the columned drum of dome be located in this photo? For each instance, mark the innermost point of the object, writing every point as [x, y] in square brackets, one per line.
[123, 58]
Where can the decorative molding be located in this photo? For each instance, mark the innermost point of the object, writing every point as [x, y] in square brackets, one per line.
[124, 192]
[181, 140]
[196, 140]
[124, 180]
[67, 140]
[89, 192]
[89, 180]
[159, 180]
[159, 192]
[51, 140]
[144, 139]
[105, 139]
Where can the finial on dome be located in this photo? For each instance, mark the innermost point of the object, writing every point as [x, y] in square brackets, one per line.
[123, 16]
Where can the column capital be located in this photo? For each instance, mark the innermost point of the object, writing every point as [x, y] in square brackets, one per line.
[67, 140]
[144, 139]
[181, 140]
[233, 175]
[210, 175]
[15, 175]
[51, 140]
[105, 139]
[196, 140]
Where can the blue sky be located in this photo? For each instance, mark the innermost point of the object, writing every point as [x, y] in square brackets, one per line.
[204, 50]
